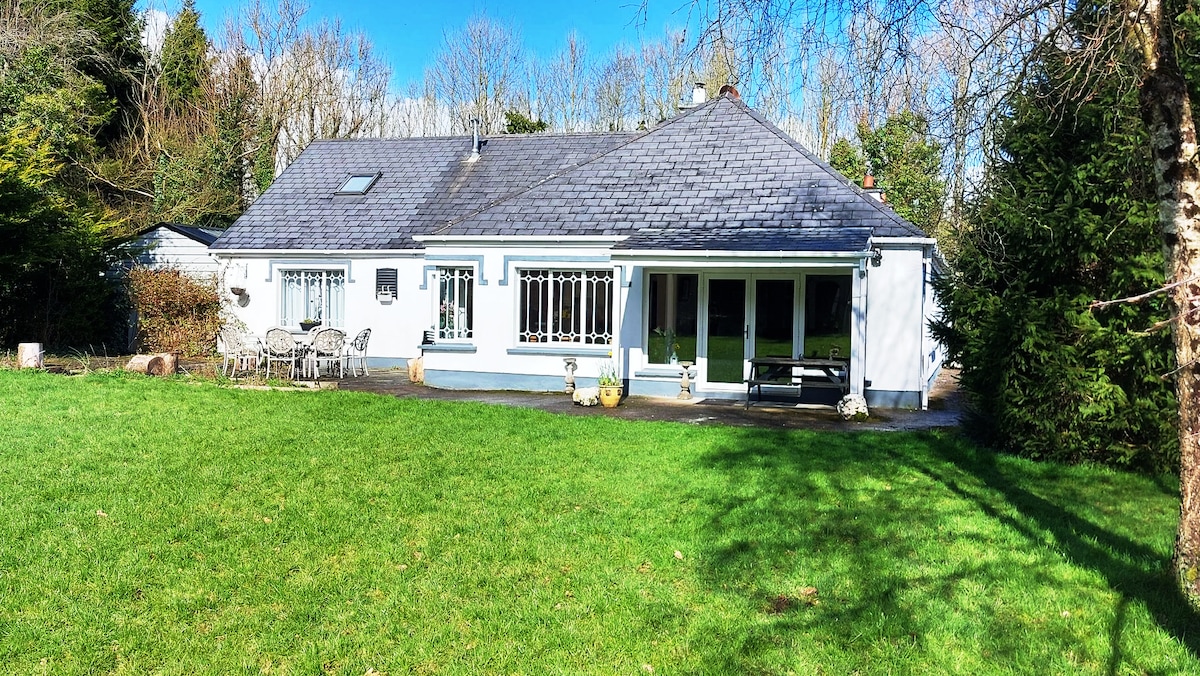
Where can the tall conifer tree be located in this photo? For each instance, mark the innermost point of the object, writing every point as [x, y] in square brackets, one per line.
[1068, 215]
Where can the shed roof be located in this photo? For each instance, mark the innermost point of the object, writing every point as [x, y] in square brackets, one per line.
[205, 236]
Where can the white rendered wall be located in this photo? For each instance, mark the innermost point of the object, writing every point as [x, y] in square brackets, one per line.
[396, 325]
[895, 321]
[494, 357]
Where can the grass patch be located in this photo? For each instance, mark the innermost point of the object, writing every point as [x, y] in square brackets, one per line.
[179, 528]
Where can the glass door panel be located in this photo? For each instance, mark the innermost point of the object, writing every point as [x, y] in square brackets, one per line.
[774, 317]
[827, 306]
[726, 330]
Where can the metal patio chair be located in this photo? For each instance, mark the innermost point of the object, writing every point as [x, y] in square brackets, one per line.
[358, 352]
[326, 346]
[280, 346]
[239, 350]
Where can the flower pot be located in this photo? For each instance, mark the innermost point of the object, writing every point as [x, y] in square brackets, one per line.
[610, 395]
[309, 326]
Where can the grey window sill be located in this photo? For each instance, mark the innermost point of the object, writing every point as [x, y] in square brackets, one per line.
[558, 350]
[465, 348]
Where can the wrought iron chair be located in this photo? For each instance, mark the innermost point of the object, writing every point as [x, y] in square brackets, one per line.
[239, 350]
[358, 352]
[326, 346]
[281, 347]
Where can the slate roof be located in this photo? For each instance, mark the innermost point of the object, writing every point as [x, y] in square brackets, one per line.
[424, 184]
[717, 177]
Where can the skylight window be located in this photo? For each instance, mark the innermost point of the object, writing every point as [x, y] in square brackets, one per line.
[357, 184]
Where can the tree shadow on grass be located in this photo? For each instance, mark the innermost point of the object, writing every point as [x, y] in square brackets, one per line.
[859, 516]
[1126, 565]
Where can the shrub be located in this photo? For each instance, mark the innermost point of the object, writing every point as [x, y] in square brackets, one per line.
[175, 312]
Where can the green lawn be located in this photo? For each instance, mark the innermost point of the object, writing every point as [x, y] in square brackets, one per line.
[178, 528]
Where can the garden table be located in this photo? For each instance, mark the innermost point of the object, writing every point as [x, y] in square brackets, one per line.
[789, 372]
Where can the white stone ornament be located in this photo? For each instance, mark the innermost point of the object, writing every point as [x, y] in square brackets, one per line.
[853, 407]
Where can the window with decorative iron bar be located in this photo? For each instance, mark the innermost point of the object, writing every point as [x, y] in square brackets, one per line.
[566, 306]
[456, 291]
[312, 295]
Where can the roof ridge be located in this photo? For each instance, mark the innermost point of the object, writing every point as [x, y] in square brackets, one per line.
[652, 130]
[467, 137]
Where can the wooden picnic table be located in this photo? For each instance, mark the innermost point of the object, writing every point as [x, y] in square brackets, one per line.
[791, 372]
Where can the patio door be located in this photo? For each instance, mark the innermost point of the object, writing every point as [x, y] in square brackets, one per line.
[728, 331]
[747, 316]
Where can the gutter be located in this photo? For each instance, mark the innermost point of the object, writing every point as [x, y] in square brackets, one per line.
[921, 241]
[521, 239]
[343, 253]
[849, 256]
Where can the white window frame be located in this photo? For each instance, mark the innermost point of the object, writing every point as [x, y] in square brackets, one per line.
[574, 306]
[454, 311]
[329, 306]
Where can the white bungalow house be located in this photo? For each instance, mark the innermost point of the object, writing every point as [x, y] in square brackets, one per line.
[713, 238]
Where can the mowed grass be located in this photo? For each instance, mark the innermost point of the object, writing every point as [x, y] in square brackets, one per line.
[180, 528]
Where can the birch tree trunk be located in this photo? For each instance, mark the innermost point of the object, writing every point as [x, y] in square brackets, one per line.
[1167, 112]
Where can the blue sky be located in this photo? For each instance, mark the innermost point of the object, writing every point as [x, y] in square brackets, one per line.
[408, 34]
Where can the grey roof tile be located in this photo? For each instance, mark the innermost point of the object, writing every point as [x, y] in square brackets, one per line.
[719, 176]
[424, 183]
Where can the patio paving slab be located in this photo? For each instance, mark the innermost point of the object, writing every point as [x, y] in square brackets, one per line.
[945, 406]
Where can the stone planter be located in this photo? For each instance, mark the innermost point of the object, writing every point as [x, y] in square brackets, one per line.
[610, 395]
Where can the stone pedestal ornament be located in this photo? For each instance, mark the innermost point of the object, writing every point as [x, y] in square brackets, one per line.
[685, 383]
[570, 366]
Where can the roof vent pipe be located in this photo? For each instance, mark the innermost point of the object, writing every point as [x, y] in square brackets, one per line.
[699, 94]
[474, 139]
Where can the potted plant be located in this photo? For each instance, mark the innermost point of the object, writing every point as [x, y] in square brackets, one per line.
[610, 385]
[308, 324]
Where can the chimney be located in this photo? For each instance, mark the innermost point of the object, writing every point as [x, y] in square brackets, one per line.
[474, 139]
[699, 95]
[870, 189]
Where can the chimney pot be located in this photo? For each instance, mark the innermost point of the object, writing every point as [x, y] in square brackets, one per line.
[729, 90]
[868, 181]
